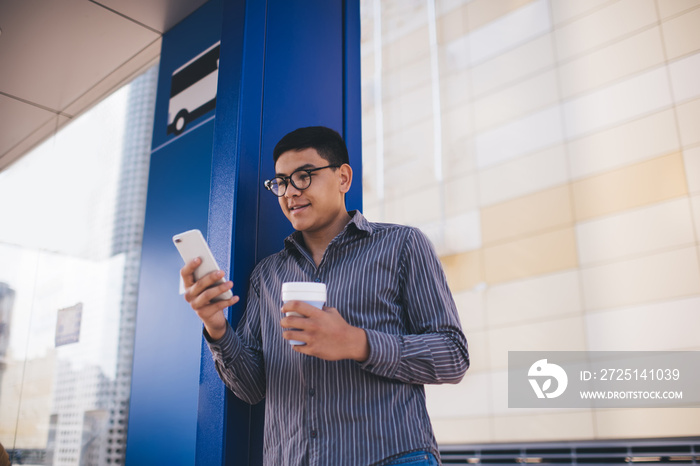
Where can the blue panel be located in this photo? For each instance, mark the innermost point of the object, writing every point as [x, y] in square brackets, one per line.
[184, 41]
[163, 410]
[303, 87]
[216, 403]
[352, 127]
[245, 225]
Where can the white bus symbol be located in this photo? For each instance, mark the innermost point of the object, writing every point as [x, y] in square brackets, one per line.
[193, 89]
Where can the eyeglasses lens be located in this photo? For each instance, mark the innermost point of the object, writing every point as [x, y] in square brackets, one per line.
[301, 179]
[278, 186]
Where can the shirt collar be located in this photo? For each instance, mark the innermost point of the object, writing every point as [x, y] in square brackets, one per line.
[357, 224]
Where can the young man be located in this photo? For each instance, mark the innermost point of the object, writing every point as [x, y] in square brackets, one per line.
[353, 393]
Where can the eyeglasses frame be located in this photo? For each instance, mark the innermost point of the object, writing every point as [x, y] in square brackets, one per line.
[288, 179]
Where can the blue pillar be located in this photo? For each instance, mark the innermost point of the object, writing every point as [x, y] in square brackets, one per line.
[283, 64]
[167, 349]
[300, 67]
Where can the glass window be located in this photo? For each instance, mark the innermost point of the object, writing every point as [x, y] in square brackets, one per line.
[72, 219]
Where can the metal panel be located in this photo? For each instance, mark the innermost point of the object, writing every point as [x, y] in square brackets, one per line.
[163, 410]
[352, 98]
[221, 415]
[164, 389]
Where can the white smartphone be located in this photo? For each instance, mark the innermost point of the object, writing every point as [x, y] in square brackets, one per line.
[191, 244]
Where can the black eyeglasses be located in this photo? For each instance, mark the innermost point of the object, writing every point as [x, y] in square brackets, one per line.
[300, 179]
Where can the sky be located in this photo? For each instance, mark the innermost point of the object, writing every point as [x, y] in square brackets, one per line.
[43, 201]
[56, 209]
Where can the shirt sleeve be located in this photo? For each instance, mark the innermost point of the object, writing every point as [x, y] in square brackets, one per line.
[435, 349]
[238, 354]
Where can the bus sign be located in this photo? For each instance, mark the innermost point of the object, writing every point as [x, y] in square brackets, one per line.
[193, 89]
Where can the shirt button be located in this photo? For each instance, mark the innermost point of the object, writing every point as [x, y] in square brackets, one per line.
[312, 392]
[314, 433]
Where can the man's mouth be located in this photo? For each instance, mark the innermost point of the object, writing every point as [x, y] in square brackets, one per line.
[298, 207]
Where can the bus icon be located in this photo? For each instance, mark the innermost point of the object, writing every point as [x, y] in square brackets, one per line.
[193, 89]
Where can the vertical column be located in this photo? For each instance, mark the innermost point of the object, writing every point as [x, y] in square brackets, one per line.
[300, 66]
[165, 377]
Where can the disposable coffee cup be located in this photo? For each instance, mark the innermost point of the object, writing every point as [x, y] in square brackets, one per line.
[309, 292]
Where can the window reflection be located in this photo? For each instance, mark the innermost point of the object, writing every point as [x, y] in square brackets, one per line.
[69, 259]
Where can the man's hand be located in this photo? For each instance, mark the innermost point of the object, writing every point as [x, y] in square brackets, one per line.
[326, 334]
[200, 293]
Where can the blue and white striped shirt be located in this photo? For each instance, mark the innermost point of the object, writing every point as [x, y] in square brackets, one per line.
[385, 279]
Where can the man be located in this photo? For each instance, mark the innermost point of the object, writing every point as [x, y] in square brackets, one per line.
[353, 393]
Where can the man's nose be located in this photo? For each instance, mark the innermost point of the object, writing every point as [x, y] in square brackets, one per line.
[291, 190]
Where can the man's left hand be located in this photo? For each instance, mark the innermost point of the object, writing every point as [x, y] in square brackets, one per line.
[326, 334]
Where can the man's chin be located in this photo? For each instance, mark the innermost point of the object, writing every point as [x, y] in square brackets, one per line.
[299, 221]
[298, 224]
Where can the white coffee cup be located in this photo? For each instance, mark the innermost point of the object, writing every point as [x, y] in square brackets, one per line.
[309, 292]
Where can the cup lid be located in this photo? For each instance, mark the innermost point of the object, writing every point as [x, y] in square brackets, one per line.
[304, 287]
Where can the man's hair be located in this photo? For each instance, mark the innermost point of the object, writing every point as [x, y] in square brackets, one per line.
[327, 142]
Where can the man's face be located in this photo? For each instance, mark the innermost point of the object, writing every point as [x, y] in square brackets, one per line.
[319, 205]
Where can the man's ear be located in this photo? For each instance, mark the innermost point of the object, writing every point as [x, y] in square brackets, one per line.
[345, 175]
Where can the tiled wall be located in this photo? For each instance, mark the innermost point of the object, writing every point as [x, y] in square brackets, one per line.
[551, 151]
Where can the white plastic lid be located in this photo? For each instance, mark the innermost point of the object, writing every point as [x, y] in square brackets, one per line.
[304, 291]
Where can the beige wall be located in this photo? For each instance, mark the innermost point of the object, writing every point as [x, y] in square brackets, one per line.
[551, 151]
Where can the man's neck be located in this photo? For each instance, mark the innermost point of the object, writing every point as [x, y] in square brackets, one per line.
[317, 241]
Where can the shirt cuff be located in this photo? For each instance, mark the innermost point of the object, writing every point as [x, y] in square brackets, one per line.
[227, 348]
[384, 353]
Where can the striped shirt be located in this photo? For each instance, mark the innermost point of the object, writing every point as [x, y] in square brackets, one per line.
[383, 278]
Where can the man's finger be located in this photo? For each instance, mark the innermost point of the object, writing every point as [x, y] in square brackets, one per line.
[206, 282]
[187, 272]
[300, 307]
[205, 297]
[217, 306]
[294, 321]
[295, 335]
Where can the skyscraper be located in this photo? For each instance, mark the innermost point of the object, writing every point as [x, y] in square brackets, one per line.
[126, 239]
[88, 421]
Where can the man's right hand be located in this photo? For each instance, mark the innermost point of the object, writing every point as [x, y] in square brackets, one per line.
[199, 295]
